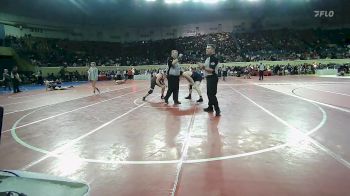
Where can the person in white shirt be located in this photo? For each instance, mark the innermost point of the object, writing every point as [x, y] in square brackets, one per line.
[93, 76]
[224, 73]
[261, 71]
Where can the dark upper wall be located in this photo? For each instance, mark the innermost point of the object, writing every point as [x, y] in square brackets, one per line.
[139, 13]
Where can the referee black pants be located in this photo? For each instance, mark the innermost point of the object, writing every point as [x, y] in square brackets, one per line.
[261, 75]
[212, 87]
[1, 118]
[173, 88]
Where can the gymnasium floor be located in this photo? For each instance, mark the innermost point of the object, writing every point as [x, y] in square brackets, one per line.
[284, 136]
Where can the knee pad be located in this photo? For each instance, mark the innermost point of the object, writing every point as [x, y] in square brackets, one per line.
[150, 91]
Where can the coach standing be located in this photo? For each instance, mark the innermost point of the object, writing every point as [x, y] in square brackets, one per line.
[261, 71]
[211, 70]
[173, 76]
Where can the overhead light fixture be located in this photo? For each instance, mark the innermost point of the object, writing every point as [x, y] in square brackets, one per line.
[174, 1]
[210, 1]
[197, 1]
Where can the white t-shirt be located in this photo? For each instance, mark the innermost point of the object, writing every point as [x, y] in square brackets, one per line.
[261, 67]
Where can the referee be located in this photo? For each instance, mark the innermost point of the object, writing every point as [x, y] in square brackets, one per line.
[173, 76]
[211, 70]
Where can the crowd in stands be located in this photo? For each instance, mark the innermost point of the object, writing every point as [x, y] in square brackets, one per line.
[269, 45]
[272, 45]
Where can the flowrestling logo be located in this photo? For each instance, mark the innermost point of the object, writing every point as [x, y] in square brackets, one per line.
[324, 14]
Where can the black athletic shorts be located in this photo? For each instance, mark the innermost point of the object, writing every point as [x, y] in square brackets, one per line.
[154, 83]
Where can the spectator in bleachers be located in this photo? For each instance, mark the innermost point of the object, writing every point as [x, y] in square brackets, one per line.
[269, 45]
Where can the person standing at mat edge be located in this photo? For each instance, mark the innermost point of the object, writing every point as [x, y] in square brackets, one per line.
[6, 79]
[224, 73]
[261, 71]
[211, 70]
[16, 80]
[93, 76]
[173, 76]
